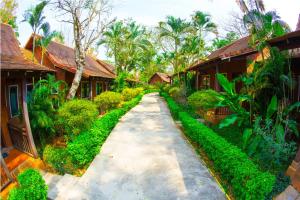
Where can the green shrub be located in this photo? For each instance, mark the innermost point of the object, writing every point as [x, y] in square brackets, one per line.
[76, 116]
[234, 166]
[203, 99]
[59, 159]
[31, 187]
[130, 93]
[174, 92]
[108, 100]
[166, 88]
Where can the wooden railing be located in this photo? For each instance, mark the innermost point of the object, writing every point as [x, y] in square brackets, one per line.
[6, 177]
[222, 111]
[20, 139]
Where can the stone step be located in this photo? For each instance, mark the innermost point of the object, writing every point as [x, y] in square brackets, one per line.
[61, 186]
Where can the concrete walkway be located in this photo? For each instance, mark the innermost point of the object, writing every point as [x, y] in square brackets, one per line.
[145, 158]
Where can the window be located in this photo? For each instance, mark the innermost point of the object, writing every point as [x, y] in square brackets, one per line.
[13, 100]
[85, 89]
[98, 88]
[29, 88]
[205, 81]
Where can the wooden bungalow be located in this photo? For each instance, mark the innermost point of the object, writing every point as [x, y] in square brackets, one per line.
[159, 77]
[97, 75]
[17, 77]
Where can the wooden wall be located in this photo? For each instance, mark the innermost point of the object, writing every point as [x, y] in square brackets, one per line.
[13, 78]
[156, 79]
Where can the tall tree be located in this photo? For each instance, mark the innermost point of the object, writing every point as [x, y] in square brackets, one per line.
[89, 19]
[7, 13]
[34, 16]
[46, 37]
[262, 25]
[172, 33]
[112, 38]
[129, 45]
[203, 25]
[221, 42]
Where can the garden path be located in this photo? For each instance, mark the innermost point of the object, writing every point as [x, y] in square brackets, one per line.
[145, 157]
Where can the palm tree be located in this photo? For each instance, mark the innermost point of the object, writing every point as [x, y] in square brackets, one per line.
[262, 25]
[113, 40]
[34, 16]
[203, 24]
[174, 29]
[46, 38]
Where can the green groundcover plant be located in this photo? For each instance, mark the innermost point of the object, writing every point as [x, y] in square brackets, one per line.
[245, 178]
[31, 186]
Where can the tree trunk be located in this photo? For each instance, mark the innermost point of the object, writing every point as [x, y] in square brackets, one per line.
[79, 57]
[33, 45]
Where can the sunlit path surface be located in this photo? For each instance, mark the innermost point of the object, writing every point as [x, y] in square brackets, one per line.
[144, 158]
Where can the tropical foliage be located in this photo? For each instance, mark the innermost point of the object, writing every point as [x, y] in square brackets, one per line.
[43, 102]
[8, 13]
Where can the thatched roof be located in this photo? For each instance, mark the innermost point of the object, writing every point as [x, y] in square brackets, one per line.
[63, 57]
[11, 55]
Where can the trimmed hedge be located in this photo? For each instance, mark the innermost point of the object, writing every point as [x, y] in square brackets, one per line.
[234, 166]
[31, 186]
[87, 145]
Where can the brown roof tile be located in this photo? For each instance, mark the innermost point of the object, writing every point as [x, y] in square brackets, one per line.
[237, 48]
[63, 57]
[164, 77]
[11, 55]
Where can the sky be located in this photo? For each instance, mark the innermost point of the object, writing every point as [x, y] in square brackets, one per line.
[150, 12]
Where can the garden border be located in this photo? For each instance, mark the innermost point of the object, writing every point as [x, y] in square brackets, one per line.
[233, 165]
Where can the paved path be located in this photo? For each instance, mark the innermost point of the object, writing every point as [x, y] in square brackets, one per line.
[146, 158]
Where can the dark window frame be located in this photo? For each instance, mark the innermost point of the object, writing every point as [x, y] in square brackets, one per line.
[9, 100]
[83, 96]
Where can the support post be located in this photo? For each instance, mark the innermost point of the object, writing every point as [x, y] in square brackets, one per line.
[26, 118]
[197, 80]
[217, 86]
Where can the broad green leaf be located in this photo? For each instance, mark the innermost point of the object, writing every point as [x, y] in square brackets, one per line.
[251, 149]
[279, 133]
[292, 107]
[246, 136]
[225, 83]
[272, 107]
[230, 119]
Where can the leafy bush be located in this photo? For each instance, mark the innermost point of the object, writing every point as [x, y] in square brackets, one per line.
[203, 99]
[174, 92]
[130, 93]
[76, 116]
[58, 158]
[42, 106]
[108, 100]
[85, 147]
[282, 182]
[31, 187]
[245, 178]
